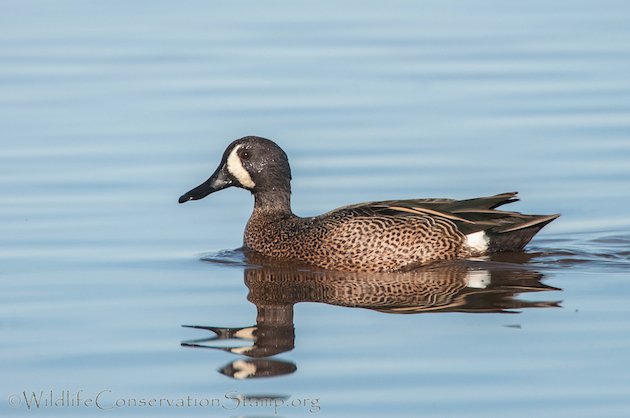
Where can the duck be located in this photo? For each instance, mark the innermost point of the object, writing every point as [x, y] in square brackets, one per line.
[383, 236]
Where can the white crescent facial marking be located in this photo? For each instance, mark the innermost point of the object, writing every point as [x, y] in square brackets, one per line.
[241, 350]
[478, 241]
[235, 167]
[246, 333]
[243, 369]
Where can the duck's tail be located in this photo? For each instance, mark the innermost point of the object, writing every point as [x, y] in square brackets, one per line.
[514, 236]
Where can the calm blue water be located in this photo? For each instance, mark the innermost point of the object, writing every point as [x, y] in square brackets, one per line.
[109, 111]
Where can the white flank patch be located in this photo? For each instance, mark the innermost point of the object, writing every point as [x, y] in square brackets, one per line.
[478, 279]
[235, 167]
[243, 369]
[478, 241]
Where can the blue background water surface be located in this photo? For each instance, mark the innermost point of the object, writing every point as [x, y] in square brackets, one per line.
[109, 110]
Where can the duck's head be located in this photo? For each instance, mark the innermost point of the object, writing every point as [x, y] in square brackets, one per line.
[252, 163]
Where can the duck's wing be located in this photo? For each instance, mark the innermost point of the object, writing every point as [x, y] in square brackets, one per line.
[448, 205]
[507, 230]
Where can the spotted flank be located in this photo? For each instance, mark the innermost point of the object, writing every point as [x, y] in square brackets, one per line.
[383, 236]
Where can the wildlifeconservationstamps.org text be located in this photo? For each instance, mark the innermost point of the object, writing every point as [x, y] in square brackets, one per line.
[106, 399]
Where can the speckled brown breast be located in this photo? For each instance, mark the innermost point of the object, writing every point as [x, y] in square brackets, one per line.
[349, 240]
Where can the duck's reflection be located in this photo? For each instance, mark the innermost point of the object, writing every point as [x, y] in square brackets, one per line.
[455, 287]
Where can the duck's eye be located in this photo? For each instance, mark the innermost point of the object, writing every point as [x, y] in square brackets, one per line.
[245, 155]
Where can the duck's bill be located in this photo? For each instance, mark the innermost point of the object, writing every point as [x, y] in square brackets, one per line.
[218, 181]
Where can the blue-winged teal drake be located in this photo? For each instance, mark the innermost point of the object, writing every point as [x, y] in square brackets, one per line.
[391, 235]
